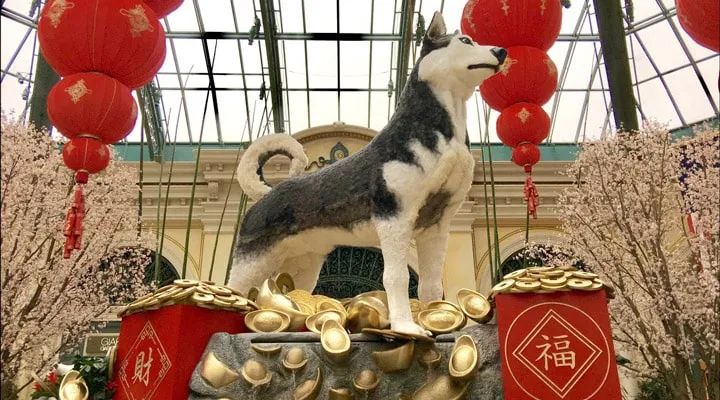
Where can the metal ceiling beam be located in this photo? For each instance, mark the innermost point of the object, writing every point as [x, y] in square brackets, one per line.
[267, 10]
[209, 65]
[406, 30]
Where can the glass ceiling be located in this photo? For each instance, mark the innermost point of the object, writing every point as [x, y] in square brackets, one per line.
[337, 60]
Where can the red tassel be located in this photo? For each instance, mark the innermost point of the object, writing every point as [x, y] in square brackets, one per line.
[531, 196]
[73, 222]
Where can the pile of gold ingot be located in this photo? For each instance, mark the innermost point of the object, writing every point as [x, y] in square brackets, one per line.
[204, 294]
[550, 280]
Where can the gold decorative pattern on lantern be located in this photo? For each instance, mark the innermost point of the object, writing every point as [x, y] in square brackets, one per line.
[505, 7]
[542, 7]
[77, 90]
[505, 67]
[523, 115]
[139, 22]
[550, 66]
[550, 280]
[57, 9]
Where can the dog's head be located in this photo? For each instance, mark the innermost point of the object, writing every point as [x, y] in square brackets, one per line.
[454, 61]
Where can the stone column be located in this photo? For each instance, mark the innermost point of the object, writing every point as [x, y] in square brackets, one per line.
[459, 271]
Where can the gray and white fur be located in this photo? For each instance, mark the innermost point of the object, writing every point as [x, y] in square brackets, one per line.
[407, 183]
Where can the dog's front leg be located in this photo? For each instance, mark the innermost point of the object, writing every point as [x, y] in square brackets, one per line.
[431, 249]
[395, 235]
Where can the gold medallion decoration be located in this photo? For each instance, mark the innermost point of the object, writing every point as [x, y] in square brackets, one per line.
[550, 66]
[505, 67]
[57, 9]
[523, 115]
[139, 22]
[77, 91]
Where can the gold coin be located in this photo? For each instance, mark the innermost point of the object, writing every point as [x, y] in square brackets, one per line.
[185, 283]
[515, 274]
[220, 290]
[584, 275]
[219, 302]
[580, 284]
[204, 290]
[202, 298]
[516, 290]
[556, 273]
[554, 281]
[596, 286]
[209, 306]
[183, 293]
[504, 286]
[209, 283]
[527, 286]
[169, 293]
[540, 269]
[164, 288]
[568, 274]
[527, 279]
[549, 289]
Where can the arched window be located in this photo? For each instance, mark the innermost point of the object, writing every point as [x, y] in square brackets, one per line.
[349, 271]
[127, 257]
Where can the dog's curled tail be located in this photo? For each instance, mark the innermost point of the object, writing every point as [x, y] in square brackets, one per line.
[249, 171]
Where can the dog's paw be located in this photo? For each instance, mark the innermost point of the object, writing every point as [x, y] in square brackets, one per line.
[409, 327]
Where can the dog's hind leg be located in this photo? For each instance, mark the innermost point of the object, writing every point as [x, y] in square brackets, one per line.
[431, 248]
[395, 235]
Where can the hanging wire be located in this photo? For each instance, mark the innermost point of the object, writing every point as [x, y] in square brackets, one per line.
[491, 260]
[492, 186]
[197, 168]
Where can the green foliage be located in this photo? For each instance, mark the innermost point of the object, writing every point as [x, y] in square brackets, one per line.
[654, 389]
[95, 372]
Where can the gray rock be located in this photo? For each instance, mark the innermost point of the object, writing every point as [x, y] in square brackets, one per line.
[234, 351]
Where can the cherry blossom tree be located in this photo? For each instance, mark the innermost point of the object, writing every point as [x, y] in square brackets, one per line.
[48, 301]
[626, 218]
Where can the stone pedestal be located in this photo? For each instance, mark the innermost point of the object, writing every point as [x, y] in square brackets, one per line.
[219, 374]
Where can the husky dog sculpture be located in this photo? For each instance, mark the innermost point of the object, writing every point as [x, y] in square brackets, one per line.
[407, 183]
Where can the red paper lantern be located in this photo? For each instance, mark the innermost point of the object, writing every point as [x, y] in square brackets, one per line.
[523, 122]
[701, 20]
[163, 7]
[120, 38]
[92, 103]
[527, 75]
[508, 23]
[87, 155]
[526, 155]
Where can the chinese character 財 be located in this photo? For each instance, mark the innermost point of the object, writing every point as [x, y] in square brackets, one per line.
[563, 358]
[142, 367]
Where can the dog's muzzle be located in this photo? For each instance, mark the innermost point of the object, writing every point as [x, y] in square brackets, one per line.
[488, 66]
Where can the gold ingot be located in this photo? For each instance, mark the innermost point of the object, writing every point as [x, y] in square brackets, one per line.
[584, 275]
[255, 373]
[367, 313]
[376, 294]
[329, 304]
[430, 358]
[442, 387]
[252, 293]
[73, 387]
[284, 282]
[397, 359]
[556, 282]
[111, 358]
[463, 359]
[440, 321]
[266, 351]
[340, 394]
[270, 297]
[309, 389]
[366, 380]
[442, 305]
[315, 322]
[184, 283]
[305, 308]
[416, 305]
[516, 274]
[216, 373]
[335, 340]
[474, 305]
[527, 286]
[266, 321]
[300, 296]
[295, 359]
[579, 284]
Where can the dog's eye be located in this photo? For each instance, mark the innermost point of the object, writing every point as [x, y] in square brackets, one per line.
[466, 41]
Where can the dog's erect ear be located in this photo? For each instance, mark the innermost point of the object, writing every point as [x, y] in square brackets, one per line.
[437, 27]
